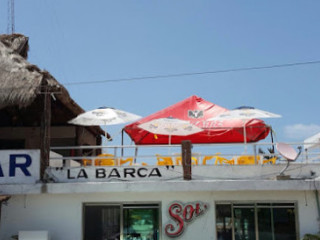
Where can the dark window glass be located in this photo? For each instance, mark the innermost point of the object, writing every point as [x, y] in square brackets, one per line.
[243, 205]
[264, 204]
[141, 206]
[244, 225]
[283, 204]
[284, 223]
[102, 222]
[224, 222]
[111, 222]
[264, 224]
[139, 222]
[275, 221]
[92, 229]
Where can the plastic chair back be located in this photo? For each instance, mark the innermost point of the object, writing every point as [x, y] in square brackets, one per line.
[128, 160]
[207, 158]
[163, 160]
[105, 159]
[248, 160]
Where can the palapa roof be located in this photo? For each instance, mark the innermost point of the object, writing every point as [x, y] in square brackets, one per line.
[21, 82]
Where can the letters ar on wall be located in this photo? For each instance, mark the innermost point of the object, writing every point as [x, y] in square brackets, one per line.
[19, 166]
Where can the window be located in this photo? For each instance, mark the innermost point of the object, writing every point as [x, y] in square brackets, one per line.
[131, 221]
[261, 221]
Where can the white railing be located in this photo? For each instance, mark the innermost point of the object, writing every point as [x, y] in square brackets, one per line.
[203, 154]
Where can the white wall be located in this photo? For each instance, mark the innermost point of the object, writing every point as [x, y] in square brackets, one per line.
[61, 214]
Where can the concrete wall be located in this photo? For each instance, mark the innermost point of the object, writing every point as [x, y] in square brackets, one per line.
[61, 214]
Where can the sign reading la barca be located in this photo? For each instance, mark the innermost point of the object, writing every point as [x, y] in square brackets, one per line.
[105, 174]
[102, 173]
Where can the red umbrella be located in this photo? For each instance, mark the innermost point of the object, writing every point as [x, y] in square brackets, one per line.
[197, 111]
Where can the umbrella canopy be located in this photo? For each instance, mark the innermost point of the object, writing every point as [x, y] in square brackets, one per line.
[104, 116]
[245, 113]
[312, 142]
[198, 111]
[170, 126]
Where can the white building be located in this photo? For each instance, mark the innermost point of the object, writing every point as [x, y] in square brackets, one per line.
[155, 202]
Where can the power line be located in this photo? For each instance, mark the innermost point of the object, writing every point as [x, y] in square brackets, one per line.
[5, 89]
[195, 73]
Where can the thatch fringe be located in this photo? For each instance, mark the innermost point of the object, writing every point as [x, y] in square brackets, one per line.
[17, 42]
[20, 81]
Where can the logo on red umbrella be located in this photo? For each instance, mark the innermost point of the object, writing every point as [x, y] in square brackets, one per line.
[195, 113]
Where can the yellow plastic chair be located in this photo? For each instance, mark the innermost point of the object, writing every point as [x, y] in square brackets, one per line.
[105, 159]
[271, 160]
[222, 160]
[194, 160]
[207, 158]
[124, 161]
[86, 162]
[140, 164]
[248, 160]
[164, 161]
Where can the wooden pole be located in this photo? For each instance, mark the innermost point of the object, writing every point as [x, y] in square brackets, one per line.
[186, 159]
[45, 131]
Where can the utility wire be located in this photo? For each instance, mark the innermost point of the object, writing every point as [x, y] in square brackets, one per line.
[194, 73]
[5, 89]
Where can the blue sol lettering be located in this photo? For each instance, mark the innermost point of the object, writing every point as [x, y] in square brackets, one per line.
[13, 165]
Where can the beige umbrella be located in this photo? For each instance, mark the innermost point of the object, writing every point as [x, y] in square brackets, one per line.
[103, 116]
[170, 126]
[245, 113]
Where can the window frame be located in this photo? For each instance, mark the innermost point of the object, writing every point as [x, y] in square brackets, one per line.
[255, 205]
[136, 204]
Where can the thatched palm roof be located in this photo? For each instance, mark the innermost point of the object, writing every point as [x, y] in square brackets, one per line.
[21, 82]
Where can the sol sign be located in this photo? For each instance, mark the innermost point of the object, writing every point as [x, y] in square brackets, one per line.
[183, 214]
[19, 166]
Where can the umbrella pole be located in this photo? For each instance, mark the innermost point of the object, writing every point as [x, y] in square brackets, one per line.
[135, 154]
[107, 139]
[271, 134]
[244, 136]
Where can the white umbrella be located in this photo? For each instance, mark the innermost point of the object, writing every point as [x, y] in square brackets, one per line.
[103, 116]
[312, 142]
[244, 113]
[170, 126]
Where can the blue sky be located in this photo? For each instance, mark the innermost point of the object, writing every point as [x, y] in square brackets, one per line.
[87, 41]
